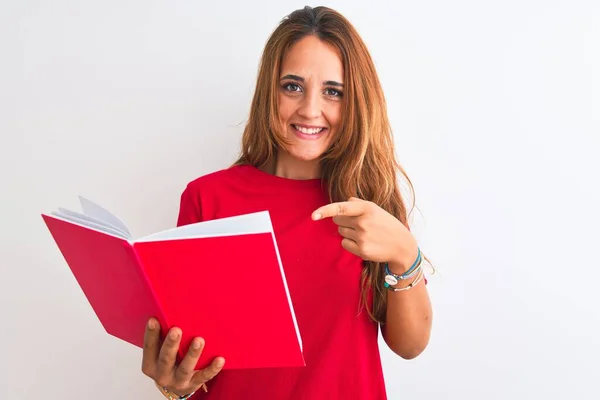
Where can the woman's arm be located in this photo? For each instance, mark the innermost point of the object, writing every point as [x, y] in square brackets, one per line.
[408, 316]
[373, 234]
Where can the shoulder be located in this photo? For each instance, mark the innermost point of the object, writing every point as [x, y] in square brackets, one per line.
[198, 198]
[214, 180]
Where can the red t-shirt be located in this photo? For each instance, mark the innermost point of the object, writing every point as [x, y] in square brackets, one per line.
[340, 342]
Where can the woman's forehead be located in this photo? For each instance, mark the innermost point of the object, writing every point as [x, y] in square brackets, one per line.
[312, 58]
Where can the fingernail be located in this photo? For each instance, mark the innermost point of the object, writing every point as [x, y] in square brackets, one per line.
[220, 362]
[317, 217]
[174, 334]
[196, 344]
[152, 324]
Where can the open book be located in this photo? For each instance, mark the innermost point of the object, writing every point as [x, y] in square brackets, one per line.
[221, 280]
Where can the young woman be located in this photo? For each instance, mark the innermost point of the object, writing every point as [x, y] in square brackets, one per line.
[318, 154]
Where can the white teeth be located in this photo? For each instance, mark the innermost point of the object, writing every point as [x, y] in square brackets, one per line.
[306, 131]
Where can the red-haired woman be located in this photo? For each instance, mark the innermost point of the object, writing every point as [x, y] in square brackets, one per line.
[317, 153]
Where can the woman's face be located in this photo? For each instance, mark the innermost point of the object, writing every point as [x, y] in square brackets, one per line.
[310, 97]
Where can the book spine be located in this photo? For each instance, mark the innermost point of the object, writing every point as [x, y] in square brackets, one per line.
[161, 316]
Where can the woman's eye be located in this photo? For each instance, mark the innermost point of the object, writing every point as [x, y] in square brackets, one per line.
[292, 87]
[333, 92]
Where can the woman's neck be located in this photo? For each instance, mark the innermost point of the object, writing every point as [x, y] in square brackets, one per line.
[286, 166]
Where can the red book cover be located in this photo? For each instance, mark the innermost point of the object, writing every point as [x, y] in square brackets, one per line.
[221, 280]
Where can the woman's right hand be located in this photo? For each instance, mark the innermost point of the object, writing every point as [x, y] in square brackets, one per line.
[159, 361]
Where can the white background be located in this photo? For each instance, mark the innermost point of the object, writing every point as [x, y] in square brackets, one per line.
[496, 112]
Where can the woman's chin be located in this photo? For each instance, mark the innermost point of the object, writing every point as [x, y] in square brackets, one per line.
[306, 156]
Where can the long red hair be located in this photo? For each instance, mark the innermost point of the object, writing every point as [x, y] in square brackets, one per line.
[361, 160]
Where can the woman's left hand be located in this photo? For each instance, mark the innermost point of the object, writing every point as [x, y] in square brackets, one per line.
[371, 233]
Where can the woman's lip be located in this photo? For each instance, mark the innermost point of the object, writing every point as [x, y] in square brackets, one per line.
[309, 126]
[310, 137]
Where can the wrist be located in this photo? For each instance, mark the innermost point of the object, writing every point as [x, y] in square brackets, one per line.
[398, 267]
[171, 395]
[401, 265]
[411, 276]
[393, 284]
[406, 283]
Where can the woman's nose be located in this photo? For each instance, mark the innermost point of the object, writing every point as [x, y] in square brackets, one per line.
[310, 107]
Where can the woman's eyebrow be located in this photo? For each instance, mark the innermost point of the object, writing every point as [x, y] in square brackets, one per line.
[293, 77]
[301, 79]
[333, 83]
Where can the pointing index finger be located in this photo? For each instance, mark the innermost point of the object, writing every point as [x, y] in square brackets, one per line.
[344, 208]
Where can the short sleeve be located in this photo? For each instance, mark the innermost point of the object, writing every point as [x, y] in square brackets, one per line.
[190, 211]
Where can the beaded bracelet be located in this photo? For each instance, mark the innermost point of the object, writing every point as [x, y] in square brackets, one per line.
[392, 279]
[414, 283]
[172, 396]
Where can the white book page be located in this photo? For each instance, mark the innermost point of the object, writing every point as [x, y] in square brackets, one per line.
[90, 224]
[79, 216]
[259, 222]
[98, 212]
